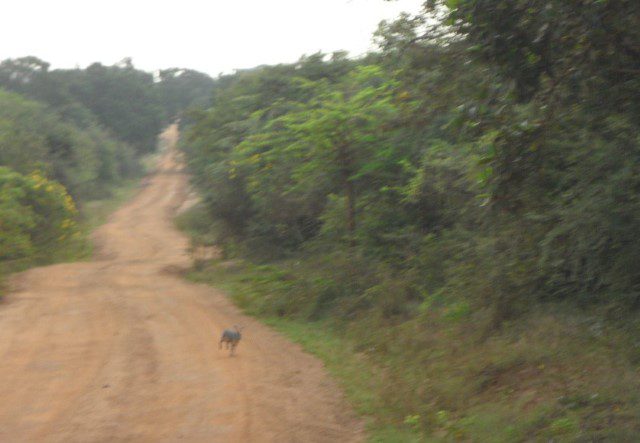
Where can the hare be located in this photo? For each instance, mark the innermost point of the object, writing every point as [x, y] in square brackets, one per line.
[231, 338]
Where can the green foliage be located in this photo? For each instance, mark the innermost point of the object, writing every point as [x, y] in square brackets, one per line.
[182, 89]
[553, 132]
[482, 167]
[81, 132]
[252, 153]
[35, 215]
[570, 47]
[84, 135]
[130, 104]
[82, 158]
[329, 145]
[124, 101]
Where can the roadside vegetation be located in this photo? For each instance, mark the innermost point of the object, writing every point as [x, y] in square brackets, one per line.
[458, 211]
[450, 223]
[73, 144]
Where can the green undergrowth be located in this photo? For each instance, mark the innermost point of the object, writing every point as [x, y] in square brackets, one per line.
[556, 376]
[556, 373]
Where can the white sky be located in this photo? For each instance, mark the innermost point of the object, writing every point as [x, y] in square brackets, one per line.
[212, 36]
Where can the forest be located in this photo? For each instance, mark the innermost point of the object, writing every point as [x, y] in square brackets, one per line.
[461, 205]
[71, 136]
[455, 215]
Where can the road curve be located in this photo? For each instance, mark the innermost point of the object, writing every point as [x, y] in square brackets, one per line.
[121, 349]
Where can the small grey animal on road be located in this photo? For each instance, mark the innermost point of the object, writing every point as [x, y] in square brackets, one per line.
[231, 338]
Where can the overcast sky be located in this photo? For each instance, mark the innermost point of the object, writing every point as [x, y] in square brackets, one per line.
[208, 35]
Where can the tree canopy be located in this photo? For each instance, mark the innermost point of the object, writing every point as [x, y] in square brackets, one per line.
[512, 123]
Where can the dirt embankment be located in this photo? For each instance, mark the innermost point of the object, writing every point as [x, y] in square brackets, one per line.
[120, 349]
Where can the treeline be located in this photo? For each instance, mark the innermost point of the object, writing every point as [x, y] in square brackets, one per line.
[132, 104]
[492, 157]
[427, 198]
[69, 136]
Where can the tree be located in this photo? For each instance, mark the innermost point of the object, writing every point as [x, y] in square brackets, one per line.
[180, 89]
[328, 145]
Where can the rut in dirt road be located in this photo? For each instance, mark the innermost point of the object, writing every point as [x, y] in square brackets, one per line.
[120, 349]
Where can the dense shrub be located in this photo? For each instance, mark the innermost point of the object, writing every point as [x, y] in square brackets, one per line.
[511, 168]
[36, 215]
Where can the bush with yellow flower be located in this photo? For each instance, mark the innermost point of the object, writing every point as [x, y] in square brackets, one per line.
[37, 215]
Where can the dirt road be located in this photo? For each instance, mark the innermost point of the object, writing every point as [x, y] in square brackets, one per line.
[120, 349]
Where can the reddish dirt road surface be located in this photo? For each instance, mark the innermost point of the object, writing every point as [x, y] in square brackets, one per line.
[122, 350]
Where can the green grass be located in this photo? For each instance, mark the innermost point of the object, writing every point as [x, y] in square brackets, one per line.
[356, 374]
